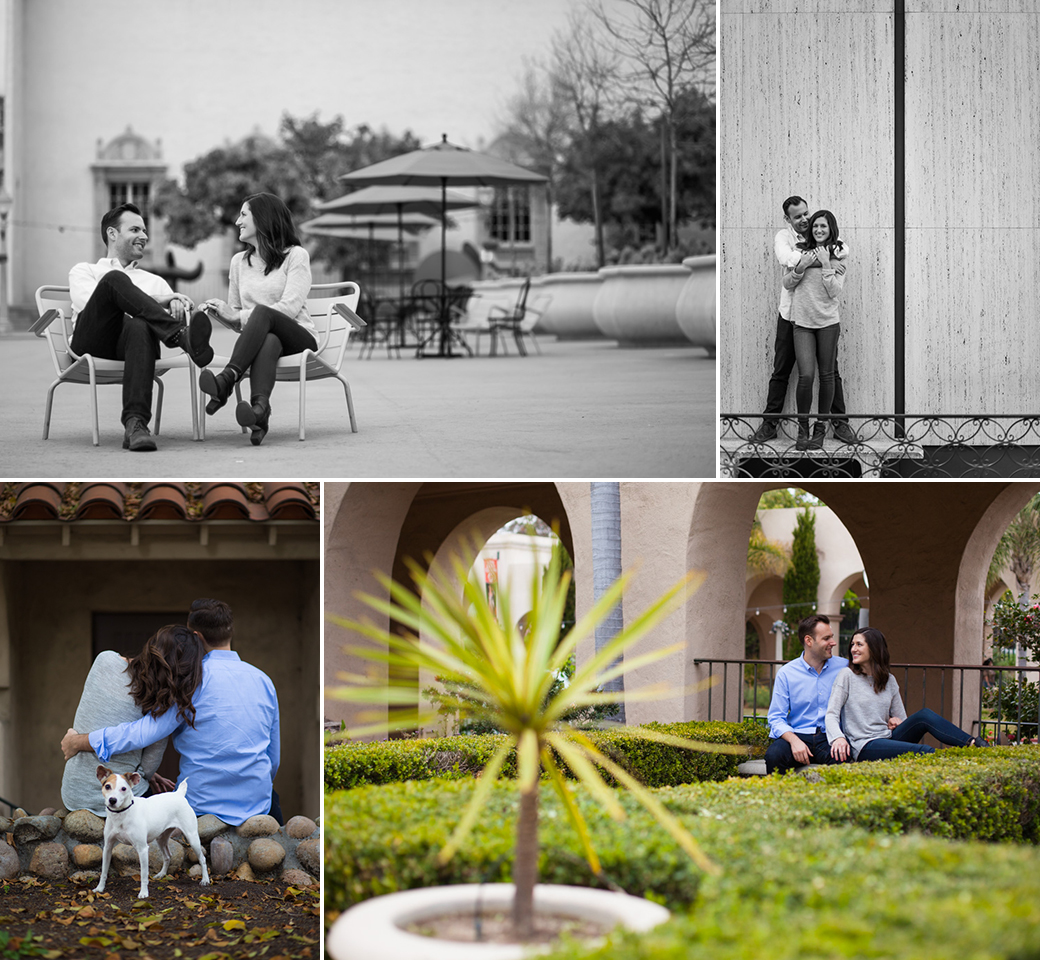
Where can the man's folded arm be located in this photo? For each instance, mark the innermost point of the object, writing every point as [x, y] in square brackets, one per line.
[133, 735]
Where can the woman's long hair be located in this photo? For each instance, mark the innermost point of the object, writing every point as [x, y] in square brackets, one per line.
[879, 661]
[166, 672]
[275, 230]
[832, 243]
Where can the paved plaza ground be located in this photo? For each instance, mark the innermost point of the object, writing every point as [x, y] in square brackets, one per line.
[582, 409]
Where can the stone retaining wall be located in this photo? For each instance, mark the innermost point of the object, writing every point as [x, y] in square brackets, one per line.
[66, 845]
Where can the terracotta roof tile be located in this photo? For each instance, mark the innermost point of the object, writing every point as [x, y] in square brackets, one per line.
[37, 501]
[101, 501]
[288, 501]
[164, 501]
[257, 502]
[225, 501]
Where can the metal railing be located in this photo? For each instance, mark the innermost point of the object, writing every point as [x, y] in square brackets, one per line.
[956, 691]
[888, 445]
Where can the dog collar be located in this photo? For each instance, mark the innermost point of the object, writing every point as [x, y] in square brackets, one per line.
[127, 807]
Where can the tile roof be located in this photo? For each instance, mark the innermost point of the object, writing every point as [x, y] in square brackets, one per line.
[160, 501]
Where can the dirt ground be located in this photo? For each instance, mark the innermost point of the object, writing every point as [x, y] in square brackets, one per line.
[228, 919]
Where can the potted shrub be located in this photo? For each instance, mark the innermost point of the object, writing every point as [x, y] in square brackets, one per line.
[507, 675]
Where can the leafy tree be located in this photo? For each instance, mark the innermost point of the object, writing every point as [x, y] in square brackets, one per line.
[301, 165]
[765, 556]
[802, 580]
[786, 497]
[1019, 550]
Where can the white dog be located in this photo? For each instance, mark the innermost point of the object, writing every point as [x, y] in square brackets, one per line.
[140, 820]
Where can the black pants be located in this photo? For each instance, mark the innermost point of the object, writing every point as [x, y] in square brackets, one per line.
[267, 336]
[121, 322]
[780, 759]
[783, 364]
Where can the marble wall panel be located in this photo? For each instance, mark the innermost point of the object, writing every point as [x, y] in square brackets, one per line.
[971, 130]
[971, 320]
[814, 121]
[971, 6]
[973, 208]
[805, 6]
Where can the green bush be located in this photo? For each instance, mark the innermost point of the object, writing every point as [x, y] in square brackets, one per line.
[382, 839]
[356, 764]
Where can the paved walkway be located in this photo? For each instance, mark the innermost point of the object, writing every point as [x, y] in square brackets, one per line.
[583, 409]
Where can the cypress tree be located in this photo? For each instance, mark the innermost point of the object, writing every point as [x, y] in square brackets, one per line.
[802, 580]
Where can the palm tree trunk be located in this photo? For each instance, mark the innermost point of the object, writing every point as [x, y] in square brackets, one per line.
[606, 566]
[525, 867]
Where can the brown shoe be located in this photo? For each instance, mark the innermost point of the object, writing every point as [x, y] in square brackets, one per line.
[137, 436]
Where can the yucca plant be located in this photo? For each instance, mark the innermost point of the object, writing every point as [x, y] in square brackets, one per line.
[507, 675]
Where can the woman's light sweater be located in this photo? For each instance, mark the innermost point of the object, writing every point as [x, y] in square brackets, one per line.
[284, 289]
[859, 714]
[815, 294]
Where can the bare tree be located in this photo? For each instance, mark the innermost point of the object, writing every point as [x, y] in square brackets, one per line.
[584, 70]
[668, 46]
[537, 131]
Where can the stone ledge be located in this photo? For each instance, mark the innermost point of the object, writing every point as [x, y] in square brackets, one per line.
[67, 845]
[757, 768]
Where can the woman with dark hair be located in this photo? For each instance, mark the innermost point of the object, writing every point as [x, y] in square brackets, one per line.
[164, 674]
[865, 716]
[816, 283]
[267, 294]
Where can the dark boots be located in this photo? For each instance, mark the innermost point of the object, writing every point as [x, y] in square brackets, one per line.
[256, 414]
[218, 387]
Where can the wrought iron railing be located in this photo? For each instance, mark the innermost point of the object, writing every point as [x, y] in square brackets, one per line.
[740, 690]
[887, 445]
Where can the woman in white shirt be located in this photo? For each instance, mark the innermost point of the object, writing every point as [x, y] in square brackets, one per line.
[267, 303]
[816, 284]
[866, 717]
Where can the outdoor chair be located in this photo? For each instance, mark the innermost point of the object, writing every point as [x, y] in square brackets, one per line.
[55, 325]
[518, 321]
[336, 321]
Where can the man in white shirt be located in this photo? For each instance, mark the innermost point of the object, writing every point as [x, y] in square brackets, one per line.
[120, 312]
[796, 215]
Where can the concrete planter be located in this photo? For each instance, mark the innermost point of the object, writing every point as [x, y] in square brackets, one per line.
[373, 930]
[569, 314]
[695, 308]
[636, 305]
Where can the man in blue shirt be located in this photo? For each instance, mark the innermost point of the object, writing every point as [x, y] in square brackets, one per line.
[230, 757]
[801, 692]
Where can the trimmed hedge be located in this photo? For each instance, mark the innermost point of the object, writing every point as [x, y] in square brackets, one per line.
[355, 764]
[381, 839]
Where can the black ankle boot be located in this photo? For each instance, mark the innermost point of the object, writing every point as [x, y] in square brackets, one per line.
[819, 434]
[219, 387]
[803, 441]
[256, 414]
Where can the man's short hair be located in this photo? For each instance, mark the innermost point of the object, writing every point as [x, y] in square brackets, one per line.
[806, 628]
[112, 218]
[212, 618]
[793, 201]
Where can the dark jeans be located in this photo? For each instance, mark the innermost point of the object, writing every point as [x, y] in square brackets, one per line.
[121, 322]
[783, 364]
[266, 337]
[906, 738]
[276, 808]
[780, 759]
[816, 348]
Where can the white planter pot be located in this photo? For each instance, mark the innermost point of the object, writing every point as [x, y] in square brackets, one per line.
[636, 304]
[569, 315]
[695, 308]
[373, 930]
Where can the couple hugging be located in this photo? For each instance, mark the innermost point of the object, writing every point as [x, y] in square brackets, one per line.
[808, 325]
[825, 709]
[121, 312]
[187, 684]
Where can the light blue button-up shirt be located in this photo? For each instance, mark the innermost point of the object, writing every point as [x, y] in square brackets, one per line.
[231, 756]
[801, 695]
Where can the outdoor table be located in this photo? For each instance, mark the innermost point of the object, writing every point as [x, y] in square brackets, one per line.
[442, 329]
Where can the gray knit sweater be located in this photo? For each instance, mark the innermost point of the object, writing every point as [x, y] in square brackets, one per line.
[106, 702]
[857, 713]
[814, 296]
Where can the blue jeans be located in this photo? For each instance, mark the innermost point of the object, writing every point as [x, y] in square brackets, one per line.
[906, 738]
[816, 347]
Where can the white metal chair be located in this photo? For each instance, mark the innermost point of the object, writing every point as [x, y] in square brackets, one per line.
[55, 325]
[336, 321]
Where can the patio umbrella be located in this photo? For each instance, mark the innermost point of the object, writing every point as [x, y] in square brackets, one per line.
[399, 199]
[440, 165]
[373, 226]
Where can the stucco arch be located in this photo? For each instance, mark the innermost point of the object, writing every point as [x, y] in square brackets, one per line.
[836, 595]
